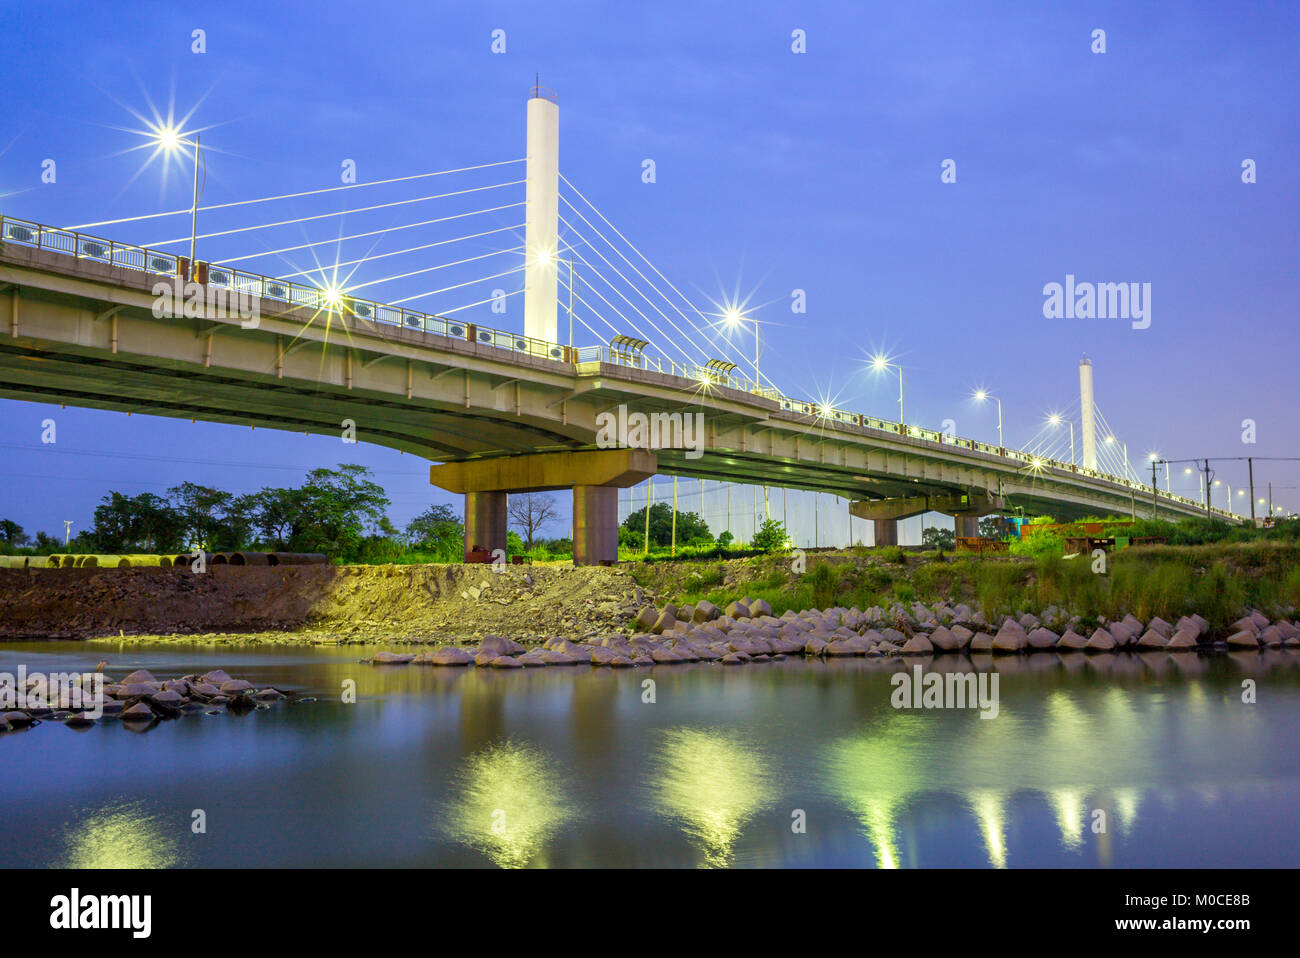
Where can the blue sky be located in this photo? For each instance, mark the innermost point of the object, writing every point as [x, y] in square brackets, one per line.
[775, 171]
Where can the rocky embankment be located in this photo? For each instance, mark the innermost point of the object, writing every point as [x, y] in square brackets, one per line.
[323, 604]
[746, 631]
[140, 701]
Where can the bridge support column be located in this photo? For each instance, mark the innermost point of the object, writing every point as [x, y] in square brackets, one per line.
[595, 525]
[967, 527]
[595, 476]
[485, 521]
[886, 533]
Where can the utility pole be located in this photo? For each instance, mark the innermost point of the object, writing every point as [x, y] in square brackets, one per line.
[1270, 500]
[649, 498]
[1153, 488]
[67, 529]
[674, 545]
[1250, 469]
[1207, 488]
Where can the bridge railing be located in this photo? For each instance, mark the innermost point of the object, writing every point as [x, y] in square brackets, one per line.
[363, 315]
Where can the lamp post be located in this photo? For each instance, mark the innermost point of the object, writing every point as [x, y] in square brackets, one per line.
[1055, 420]
[980, 396]
[734, 319]
[880, 364]
[170, 140]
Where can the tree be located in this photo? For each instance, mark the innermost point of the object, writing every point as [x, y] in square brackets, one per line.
[771, 535]
[991, 527]
[689, 525]
[726, 539]
[529, 512]
[11, 534]
[143, 523]
[201, 510]
[337, 508]
[438, 530]
[275, 516]
[945, 540]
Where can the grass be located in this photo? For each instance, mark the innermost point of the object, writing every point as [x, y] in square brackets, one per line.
[1219, 581]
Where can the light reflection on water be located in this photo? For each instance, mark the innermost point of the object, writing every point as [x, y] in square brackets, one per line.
[1107, 761]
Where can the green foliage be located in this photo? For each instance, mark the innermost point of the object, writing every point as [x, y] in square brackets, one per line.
[1037, 544]
[726, 539]
[438, 531]
[143, 523]
[689, 525]
[771, 535]
[935, 538]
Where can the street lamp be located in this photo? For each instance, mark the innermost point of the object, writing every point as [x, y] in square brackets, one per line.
[880, 364]
[1055, 420]
[1188, 472]
[170, 140]
[980, 396]
[734, 318]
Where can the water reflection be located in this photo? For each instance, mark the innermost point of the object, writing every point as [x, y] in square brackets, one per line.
[512, 801]
[874, 774]
[122, 835]
[712, 783]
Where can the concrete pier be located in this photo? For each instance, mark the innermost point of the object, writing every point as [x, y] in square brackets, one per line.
[595, 476]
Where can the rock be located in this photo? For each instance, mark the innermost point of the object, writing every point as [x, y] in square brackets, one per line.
[500, 645]
[1246, 624]
[735, 658]
[759, 607]
[1260, 620]
[205, 688]
[981, 642]
[139, 712]
[1041, 638]
[449, 655]
[536, 659]
[1160, 625]
[1152, 639]
[1101, 641]
[139, 675]
[168, 697]
[505, 662]
[603, 656]
[705, 611]
[1184, 638]
[642, 660]
[132, 690]
[620, 662]
[381, 658]
[269, 695]
[737, 610]
[215, 677]
[1244, 639]
[1071, 640]
[646, 618]
[1010, 639]
[685, 614]
[814, 645]
[664, 623]
[1270, 636]
[918, 645]
[17, 719]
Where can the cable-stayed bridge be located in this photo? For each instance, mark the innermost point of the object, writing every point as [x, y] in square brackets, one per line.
[171, 328]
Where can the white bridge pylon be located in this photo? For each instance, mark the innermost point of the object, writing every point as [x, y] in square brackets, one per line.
[542, 212]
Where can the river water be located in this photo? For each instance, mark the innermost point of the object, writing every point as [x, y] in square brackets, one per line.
[1110, 761]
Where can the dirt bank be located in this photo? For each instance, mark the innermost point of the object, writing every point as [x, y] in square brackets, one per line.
[318, 603]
